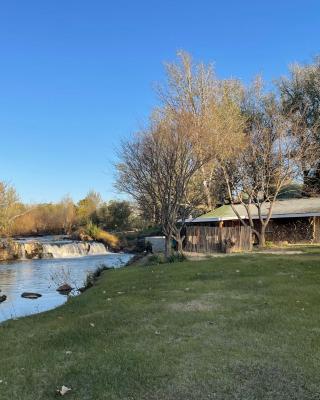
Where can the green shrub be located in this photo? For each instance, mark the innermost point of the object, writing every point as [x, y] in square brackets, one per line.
[269, 244]
[98, 234]
[157, 259]
[92, 230]
[176, 257]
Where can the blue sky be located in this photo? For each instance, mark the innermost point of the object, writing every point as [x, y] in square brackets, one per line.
[76, 76]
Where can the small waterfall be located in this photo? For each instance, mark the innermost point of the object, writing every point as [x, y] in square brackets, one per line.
[28, 250]
[22, 252]
[73, 249]
[97, 249]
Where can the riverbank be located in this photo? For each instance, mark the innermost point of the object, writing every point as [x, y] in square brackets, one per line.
[44, 276]
[235, 327]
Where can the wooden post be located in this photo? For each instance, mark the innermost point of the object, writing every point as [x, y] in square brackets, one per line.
[220, 235]
[314, 230]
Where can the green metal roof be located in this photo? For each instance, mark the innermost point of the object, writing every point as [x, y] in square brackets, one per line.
[220, 212]
[282, 209]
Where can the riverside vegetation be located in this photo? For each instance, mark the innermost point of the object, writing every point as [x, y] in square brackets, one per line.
[115, 223]
[243, 326]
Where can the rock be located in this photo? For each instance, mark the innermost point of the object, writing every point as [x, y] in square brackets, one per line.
[8, 250]
[3, 298]
[31, 295]
[11, 249]
[32, 250]
[85, 238]
[82, 236]
[64, 289]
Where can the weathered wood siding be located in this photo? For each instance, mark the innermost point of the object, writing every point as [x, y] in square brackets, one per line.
[291, 230]
[316, 230]
[207, 239]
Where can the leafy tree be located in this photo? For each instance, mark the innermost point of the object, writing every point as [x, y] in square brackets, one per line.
[67, 214]
[214, 113]
[264, 166]
[10, 209]
[114, 215]
[88, 206]
[119, 214]
[300, 99]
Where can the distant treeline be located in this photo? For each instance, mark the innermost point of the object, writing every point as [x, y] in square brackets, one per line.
[64, 217]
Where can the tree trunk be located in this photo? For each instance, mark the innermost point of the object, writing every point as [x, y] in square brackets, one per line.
[167, 249]
[208, 195]
[262, 237]
[180, 245]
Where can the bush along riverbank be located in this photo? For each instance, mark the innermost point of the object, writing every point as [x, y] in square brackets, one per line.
[234, 327]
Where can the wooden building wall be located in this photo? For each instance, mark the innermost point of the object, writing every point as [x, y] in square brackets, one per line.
[206, 239]
[291, 230]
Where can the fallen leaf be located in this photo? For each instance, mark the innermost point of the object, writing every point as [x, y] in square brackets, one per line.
[64, 390]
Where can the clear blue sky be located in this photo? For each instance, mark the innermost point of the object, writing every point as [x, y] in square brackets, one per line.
[76, 76]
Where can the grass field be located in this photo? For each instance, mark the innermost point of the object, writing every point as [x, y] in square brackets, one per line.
[240, 327]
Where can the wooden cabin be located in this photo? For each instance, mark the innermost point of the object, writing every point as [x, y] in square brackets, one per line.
[292, 220]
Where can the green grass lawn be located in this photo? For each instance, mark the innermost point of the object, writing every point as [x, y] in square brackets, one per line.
[240, 327]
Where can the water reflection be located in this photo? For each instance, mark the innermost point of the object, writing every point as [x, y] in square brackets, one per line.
[41, 276]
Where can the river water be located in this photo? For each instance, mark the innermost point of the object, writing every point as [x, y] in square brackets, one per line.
[45, 275]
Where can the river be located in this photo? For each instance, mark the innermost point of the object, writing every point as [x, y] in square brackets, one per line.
[70, 264]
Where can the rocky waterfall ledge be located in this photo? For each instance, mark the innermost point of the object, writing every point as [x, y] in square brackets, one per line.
[18, 250]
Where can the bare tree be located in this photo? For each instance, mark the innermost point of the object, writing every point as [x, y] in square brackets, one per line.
[268, 162]
[67, 214]
[157, 167]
